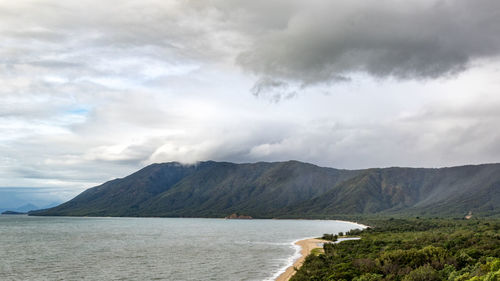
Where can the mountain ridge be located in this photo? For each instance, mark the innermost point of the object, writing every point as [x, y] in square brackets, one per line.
[289, 189]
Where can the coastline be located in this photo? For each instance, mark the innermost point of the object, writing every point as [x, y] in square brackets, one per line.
[304, 248]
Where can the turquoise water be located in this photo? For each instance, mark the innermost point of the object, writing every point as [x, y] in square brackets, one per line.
[72, 248]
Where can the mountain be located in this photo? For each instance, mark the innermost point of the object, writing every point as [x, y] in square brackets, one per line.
[209, 189]
[26, 208]
[50, 205]
[428, 192]
[24, 199]
[21, 209]
[289, 189]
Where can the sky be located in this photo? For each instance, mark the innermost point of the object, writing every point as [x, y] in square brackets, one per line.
[95, 90]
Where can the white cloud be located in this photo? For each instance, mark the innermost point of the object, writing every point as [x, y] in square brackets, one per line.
[88, 96]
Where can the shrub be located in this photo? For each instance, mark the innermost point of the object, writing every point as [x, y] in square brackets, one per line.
[423, 273]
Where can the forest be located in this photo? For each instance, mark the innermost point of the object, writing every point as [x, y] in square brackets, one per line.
[410, 250]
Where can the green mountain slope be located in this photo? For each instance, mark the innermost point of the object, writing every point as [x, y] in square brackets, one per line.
[428, 192]
[121, 197]
[209, 189]
[289, 189]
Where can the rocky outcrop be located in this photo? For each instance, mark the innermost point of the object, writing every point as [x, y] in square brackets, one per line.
[236, 216]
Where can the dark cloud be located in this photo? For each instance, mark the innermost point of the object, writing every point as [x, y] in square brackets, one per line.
[275, 90]
[328, 41]
[299, 43]
[93, 90]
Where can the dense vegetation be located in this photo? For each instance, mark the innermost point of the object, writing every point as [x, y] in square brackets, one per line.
[411, 250]
[290, 190]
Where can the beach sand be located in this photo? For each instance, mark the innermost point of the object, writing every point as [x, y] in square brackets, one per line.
[307, 245]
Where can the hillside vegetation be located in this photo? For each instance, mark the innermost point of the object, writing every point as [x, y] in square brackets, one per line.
[290, 190]
[411, 250]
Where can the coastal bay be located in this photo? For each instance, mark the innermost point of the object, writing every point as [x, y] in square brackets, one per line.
[50, 248]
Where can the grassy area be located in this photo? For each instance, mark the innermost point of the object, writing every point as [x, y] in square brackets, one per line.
[411, 249]
[317, 251]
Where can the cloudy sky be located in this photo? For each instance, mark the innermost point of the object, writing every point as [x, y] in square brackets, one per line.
[93, 90]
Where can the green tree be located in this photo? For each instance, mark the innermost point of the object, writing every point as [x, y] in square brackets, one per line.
[423, 273]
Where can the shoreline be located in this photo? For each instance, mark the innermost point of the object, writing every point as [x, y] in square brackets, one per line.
[306, 247]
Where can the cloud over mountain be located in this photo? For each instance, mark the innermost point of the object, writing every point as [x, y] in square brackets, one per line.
[121, 84]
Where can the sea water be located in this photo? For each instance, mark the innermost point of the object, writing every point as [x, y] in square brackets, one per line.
[177, 249]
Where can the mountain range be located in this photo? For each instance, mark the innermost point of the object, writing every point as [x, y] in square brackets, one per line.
[290, 189]
[28, 207]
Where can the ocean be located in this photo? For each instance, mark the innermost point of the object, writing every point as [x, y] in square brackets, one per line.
[177, 249]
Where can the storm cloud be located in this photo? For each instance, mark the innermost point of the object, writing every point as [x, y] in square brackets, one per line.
[328, 41]
[93, 90]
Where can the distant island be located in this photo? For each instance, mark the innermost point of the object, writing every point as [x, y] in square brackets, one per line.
[290, 189]
[12, 213]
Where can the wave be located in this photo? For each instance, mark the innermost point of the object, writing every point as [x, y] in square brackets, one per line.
[290, 260]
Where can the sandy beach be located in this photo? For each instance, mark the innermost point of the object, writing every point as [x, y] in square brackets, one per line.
[307, 245]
